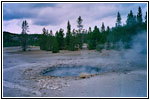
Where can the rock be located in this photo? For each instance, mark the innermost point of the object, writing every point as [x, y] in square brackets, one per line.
[84, 75]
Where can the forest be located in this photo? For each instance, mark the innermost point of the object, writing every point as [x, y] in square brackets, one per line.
[104, 37]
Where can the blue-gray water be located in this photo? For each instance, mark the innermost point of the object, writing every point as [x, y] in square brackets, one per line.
[71, 71]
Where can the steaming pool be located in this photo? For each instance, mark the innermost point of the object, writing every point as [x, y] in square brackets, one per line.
[64, 71]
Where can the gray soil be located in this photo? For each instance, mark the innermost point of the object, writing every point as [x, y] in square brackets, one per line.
[125, 76]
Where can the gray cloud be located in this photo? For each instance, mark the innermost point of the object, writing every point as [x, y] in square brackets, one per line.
[38, 11]
[22, 10]
[56, 15]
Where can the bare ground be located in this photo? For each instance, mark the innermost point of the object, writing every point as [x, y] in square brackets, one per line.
[124, 76]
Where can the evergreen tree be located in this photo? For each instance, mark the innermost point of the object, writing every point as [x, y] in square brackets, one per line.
[103, 36]
[79, 40]
[118, 21]
[68, 34]
[43, 39]
[80, 36]
[89, 33]
[131, 19]
[90, 30]
[49, 41]
[90, 41]
[103, 27]
[107, 39]
[94, 38]
[139, 16]
[79, 21]
[51, 32]
[73, 41]
[55, 47]
[60, 38]
[24, 38]
[74, 34]
[108, 29]
[97, 36]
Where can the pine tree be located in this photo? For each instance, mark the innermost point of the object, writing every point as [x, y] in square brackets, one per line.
[79, 21]
[80, 36]
[139, 15]
[104, 34]
[131, 19]
[97, 35]
[107, 39]
[49, 41]
[24, 38]
[118, 21]
[90, 39]
[51, 32]
[55, 48]
[43, 39]
[108, 29]
[72, 43]
[60, 38]
[79, 40]
[94, 38]
[103, 27]
[90, 30]
[68, 34]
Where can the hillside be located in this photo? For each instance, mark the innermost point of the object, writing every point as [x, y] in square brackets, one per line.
[13, 39]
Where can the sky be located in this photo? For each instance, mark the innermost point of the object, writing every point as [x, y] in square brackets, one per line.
[54, 16]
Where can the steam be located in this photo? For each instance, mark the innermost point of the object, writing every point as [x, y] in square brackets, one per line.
[138, 51]
[135, 57]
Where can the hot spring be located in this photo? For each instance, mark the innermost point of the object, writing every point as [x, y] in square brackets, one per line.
[63, 71]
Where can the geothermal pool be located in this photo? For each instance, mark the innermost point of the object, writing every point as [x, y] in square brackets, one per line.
[63, 71]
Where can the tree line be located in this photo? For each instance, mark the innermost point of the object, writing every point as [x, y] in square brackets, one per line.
[116, 37]
[13, 39]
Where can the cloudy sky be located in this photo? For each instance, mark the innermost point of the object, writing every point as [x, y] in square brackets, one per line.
[54, 16]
